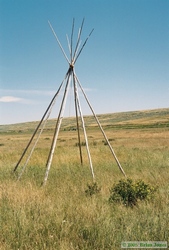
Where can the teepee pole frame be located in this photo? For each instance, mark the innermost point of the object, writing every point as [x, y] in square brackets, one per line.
[69, 77]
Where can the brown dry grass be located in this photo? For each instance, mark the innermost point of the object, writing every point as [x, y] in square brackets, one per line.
[60, 215]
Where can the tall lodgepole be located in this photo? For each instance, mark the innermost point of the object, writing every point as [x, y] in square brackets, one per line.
[111, 149]
[84, 129]
[77, 120]
[57, 128]
[43, 117]
[40, 132]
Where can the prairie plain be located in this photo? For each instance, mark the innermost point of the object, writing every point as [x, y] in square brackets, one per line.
[59, 215]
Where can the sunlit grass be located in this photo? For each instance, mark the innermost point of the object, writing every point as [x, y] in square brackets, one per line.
[60, 215]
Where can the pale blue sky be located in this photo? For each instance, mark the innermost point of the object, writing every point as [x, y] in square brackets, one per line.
[123, 67]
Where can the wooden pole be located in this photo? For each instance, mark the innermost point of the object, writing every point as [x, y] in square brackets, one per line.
[23, 169]
[71, 45]
[78, 40]
[118, 163]
[57, 128]
[75, 58]
[30, 141]
[68, 42]
[59, 43]
[77, 120]
[84, 130]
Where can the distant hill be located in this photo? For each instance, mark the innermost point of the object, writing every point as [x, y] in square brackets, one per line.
[127, 120]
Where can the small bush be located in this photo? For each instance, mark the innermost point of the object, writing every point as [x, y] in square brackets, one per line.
[129, 192]
[82, 144]
[92, 189]
[106, 143]
[94, 143]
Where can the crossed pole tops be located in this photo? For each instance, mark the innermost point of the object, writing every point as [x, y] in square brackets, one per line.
[74, 54]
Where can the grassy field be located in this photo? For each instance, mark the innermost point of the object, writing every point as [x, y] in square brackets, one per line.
[60, 215]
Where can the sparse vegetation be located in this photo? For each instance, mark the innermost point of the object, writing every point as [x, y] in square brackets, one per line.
[92, 189]
[60, 215]
[82, 144]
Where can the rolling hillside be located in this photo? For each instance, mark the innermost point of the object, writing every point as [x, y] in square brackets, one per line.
[157, 118]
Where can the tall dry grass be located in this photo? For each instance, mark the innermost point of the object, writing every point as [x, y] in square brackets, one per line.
[60, 215]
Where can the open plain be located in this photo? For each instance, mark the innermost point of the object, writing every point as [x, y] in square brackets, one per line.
[60, 215]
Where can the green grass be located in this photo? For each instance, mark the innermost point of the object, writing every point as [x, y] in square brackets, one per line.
[60, 215]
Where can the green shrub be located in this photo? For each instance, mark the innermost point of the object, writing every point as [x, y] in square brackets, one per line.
[144, 191]
[92, 189]
[129, 192]
[82, 144]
